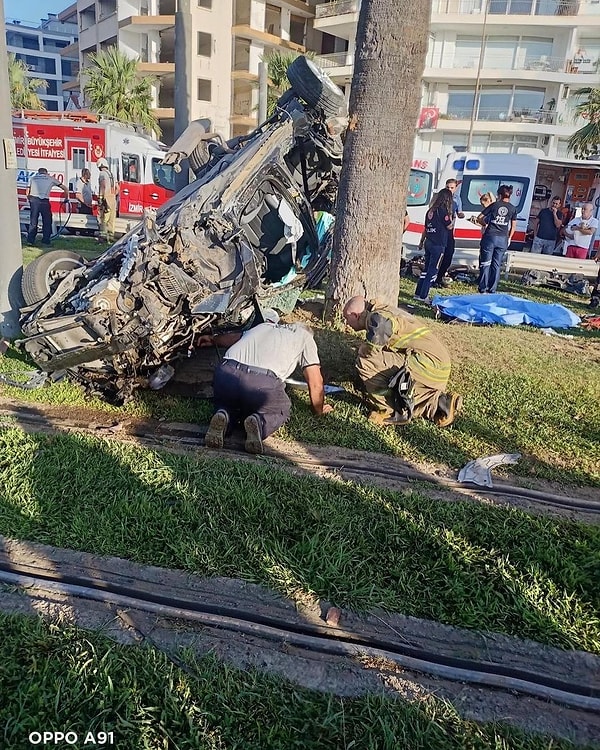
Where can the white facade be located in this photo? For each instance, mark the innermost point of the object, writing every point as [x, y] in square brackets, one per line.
[502, 73]
[228, 37]
[40, 48]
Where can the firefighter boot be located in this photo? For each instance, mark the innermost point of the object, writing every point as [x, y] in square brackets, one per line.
[449, 406]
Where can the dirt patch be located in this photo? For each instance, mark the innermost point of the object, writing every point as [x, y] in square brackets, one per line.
[351, 675]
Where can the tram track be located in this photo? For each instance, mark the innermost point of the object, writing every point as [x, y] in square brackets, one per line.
[322, 639]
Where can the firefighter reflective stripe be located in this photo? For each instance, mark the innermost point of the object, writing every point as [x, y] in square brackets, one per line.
[432, 369]
[405, 341]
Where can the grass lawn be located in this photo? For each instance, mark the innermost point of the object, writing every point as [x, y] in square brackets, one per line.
[524, 392]
[71, 680]
[475, 566]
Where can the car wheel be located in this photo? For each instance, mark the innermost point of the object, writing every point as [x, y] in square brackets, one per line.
[316, 88]
[43, 273]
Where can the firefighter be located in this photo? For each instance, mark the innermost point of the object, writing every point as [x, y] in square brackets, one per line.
[107, 201]
[404, 368]
[38, 192]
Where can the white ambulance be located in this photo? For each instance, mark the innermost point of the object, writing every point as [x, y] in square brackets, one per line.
[67, 142]
[535, 180]
[421, 186]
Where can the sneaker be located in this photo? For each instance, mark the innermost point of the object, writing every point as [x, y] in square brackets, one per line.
[254, 443]
[449, 406]
[215, 435]
[421, 299]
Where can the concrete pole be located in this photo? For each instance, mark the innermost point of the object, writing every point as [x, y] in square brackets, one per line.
[262, 91]
[183, 66]
[11, 253]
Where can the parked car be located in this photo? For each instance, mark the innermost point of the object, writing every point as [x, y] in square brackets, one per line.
[207, 261]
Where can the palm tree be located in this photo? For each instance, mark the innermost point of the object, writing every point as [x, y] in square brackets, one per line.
[23, 88]
[114, 88]
[586, 141]
[391, 45]
[277, 64]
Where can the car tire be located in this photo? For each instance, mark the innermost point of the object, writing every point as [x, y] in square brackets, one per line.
[313, 85]
[41, 275]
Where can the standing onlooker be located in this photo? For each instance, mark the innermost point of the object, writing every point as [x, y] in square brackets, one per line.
[83, 192]
[582, 232]
[457, 212]
[38, 191]
[546, 226]
[107, 201]
[438, 223]
[499, 221]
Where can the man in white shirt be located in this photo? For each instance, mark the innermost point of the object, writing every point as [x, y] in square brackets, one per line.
[38, 193]
[249, 384]
[581, 231]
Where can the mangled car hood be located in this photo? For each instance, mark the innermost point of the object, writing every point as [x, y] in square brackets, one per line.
[217, 251]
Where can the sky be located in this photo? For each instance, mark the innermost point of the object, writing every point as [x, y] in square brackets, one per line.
[33, 10]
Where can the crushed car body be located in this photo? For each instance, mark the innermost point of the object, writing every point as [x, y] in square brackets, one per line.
[208, 260]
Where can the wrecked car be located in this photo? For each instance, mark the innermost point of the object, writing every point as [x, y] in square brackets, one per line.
[236, 240]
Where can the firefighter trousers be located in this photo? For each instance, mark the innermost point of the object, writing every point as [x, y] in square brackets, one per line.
[107, 216]
[378, 368]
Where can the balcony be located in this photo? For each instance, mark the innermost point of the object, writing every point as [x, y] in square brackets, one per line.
[143, 24]
[339, 8]
[335, 60]
[338, 18]
[538, 68]
[516, 7]
[566, 120]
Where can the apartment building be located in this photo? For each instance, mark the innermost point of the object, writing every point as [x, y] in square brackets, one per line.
[229, 38]
[500, 73]
[41, 48]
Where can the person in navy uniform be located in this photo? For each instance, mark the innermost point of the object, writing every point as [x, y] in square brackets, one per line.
[499, 221]
[438, 223]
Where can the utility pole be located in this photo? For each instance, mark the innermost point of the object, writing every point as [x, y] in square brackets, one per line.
[262, 91]
[477, 94]
[183, 65]
[11, 255]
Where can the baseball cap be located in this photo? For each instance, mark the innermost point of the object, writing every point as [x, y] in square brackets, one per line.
[102, 163]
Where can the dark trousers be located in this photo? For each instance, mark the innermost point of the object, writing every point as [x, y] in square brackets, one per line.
[490, 260]
[433, 256]
[39, 207]
[240, 391]
[83, 208]
[446, 258]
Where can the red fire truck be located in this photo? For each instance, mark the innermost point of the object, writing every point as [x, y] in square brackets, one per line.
[67, 142]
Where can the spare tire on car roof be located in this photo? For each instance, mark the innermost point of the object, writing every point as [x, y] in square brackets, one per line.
[313, 85]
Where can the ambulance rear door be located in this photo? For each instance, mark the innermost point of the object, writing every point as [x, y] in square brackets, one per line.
[421, 185]
[479, 174]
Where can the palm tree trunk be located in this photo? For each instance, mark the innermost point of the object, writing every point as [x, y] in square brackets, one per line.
[391, 45]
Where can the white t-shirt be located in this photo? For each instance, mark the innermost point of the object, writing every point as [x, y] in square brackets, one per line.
[579, 239]
[279, 348]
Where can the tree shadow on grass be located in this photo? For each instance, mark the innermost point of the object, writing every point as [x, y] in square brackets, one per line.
[360, 547]
[471, 566]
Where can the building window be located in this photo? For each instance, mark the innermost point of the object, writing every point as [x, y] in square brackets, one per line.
[78, 156]
[297, 28]
[204, 89]
[204, 44]
[207, 4]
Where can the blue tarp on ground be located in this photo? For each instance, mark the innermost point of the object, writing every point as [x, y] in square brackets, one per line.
[505, 310]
